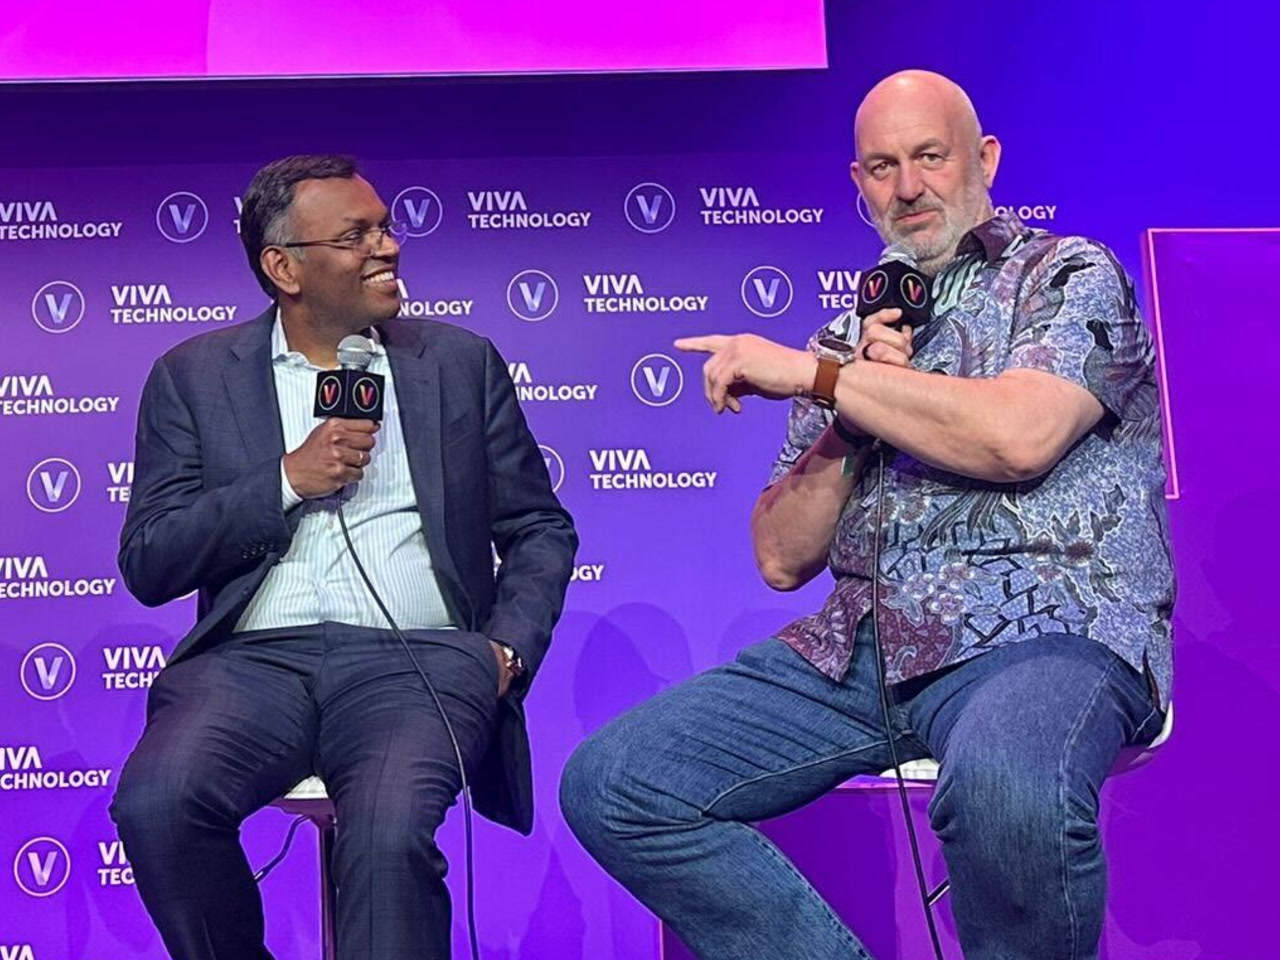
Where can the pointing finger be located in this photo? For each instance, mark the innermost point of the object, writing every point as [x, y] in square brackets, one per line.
[710, 344]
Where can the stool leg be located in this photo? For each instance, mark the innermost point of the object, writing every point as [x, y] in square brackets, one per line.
[328, 892]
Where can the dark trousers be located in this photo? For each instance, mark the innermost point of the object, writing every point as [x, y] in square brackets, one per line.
[233, 728]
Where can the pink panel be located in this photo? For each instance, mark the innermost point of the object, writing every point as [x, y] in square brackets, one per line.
[88, 39]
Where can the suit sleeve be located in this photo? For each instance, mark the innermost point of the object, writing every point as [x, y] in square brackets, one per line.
[179, 536]
[531, 531]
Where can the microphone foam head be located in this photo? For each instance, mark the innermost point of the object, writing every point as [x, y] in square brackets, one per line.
[355, 352]
[897, 252]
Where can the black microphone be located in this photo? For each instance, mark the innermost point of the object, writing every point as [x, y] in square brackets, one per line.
[895, 282]
[351, 392]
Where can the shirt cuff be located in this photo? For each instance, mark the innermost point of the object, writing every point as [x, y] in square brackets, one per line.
[289, 497]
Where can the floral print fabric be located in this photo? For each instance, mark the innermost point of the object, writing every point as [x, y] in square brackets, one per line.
[967, 565]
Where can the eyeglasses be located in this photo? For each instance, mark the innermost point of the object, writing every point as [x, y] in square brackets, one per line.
[368, 240]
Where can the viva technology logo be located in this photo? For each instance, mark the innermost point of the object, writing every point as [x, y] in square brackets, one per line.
[39, 220]
[532, 295]
[876, 284]
[366, 394]
[53, 485]
[182, 217]
[656, 380]
[767, 291]
[42, 867]
[913, 290]
[650, 207]
[420, 208]
[58, 306]
[47, 671]
[330, 391]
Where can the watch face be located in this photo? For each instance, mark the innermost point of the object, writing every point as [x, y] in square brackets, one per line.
[838, 349]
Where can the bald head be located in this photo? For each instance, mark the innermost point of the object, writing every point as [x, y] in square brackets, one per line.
[923, 164]
[922, 98]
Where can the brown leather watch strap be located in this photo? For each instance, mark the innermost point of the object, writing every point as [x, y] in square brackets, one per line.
[824, 383]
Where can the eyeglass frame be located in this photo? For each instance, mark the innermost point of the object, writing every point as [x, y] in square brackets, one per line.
[389, 229]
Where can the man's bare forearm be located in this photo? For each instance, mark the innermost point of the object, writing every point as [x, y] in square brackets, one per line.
[794, 519]
[1003, 429]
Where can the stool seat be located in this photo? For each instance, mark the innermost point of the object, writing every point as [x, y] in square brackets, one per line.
[925, 769]
[308, 799]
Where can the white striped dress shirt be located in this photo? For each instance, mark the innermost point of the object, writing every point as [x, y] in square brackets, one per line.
[316, 580]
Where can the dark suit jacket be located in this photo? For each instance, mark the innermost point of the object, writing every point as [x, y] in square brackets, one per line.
[205, 510]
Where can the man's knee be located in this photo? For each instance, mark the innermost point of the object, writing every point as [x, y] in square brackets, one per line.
[601, 792]
[161, 805]
[582, 788]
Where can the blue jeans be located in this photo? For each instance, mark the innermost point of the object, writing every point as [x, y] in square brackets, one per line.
[664, 796]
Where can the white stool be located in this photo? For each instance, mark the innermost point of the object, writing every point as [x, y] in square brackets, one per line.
[310, 799]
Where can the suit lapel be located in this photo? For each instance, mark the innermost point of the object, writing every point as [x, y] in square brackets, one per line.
[251, 388]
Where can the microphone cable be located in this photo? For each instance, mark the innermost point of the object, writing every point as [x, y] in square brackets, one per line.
[261, 874]
[473, 940]
[926, 898]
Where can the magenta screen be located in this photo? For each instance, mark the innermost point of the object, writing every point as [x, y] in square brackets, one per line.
[140, 39]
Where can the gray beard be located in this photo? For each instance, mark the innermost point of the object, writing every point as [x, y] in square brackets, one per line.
[931, 259]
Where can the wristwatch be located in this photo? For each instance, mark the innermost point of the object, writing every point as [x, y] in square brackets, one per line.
[832, 354]
[512, 661]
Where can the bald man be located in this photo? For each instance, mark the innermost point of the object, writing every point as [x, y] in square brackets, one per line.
[1006, 458]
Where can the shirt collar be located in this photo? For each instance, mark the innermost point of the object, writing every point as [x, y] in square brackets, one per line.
[279, 343]
[280, 352]
[993, 237]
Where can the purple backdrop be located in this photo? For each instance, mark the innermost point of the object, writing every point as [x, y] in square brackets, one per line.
[666, 583]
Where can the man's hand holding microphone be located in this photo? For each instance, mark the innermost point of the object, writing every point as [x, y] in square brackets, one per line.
[334, 455]
[337, 451]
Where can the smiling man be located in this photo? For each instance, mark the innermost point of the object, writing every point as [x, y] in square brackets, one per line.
[291, 669]
[1002, 463]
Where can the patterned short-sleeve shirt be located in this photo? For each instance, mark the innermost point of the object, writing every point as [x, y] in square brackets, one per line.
[968, 565]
